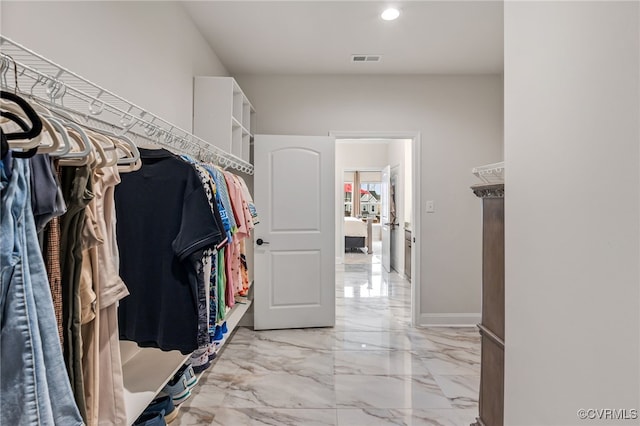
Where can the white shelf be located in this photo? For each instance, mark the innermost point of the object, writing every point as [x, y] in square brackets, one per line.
[246, 114]
[236, 141]
[86, 101]
[219, 109]
[490, 173]
[233, 318]
[145, 372]
[246, 145]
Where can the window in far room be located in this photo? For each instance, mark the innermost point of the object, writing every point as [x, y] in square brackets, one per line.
[370, 201]
[348, 199]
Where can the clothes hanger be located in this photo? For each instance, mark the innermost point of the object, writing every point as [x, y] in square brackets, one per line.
[15, 118]
[103, 144]
[75, 135]
[101, 159]
[6, 146]
[49, 141]
[66, 143]
[124, 150]
[82, 157]
[29, 137]
[128, 148]
[61, 144]
[65, 119]
[110, 141]
[27, 134]
[130, 167]
[75, 157]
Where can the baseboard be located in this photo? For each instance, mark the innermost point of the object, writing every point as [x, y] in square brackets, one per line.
[450, 320]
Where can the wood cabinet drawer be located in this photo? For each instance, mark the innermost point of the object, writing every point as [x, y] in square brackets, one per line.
[492, 382]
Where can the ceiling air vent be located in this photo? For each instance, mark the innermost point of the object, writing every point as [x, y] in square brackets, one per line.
[366, 58]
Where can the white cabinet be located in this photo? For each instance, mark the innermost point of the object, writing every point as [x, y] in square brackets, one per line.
[223, 115]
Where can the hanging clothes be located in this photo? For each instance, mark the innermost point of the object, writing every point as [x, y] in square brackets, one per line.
[89, 320]
[110, 290]
[45, 195]
[164, 226]
[243, 287]
[102, 367]
[244, 222]
[51, 253]
[77, 189]
[249, 199]
[54, 271]
[34, 389]
[178, 244]
[203, 276]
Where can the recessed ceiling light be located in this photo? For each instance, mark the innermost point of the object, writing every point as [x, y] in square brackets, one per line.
[390, 14]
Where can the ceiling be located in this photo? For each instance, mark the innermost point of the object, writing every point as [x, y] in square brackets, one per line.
[319, 37]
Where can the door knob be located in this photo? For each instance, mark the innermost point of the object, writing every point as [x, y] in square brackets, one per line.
[260, 241]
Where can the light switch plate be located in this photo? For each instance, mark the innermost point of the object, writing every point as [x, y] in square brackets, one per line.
[430, 206]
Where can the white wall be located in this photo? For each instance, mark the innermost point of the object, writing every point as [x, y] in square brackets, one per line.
[146, 52]
[360, 155]
[572, 132]
[460, 119]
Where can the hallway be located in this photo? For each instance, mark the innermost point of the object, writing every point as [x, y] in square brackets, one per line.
[370, 369]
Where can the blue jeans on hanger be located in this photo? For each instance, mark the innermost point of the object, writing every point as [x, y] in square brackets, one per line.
[34, 386]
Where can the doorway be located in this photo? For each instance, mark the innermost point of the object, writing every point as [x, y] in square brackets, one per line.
[368, 154]
[362, 207]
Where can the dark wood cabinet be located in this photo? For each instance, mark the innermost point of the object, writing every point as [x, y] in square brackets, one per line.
[491, 400]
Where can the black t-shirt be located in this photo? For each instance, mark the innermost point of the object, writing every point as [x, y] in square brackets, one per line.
[163, 222]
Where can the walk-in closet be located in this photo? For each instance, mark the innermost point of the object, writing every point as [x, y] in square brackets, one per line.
[101, 192]
[319, 213]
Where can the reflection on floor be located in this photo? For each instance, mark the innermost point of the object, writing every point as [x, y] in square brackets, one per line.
[372, 368]
[361, 257]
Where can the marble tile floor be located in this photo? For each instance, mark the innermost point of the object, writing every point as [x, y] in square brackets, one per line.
[372, 368]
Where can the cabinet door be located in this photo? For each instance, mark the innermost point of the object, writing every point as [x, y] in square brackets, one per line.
[493, 265]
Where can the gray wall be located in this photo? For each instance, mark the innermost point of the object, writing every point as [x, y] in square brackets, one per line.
[572, 111]
[131, 48]
[146, 52]
[460, 120]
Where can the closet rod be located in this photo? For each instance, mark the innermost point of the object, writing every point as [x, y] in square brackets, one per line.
[30, 73]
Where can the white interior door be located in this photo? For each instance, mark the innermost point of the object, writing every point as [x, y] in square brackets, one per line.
[385, 218]
[294, 284]
[393, 203]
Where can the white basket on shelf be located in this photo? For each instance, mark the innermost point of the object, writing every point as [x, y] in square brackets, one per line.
[490, 173]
